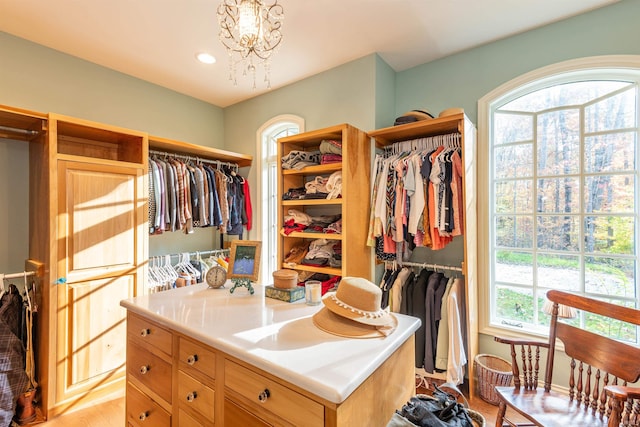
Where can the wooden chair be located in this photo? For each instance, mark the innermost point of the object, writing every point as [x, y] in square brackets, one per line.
[600, 369]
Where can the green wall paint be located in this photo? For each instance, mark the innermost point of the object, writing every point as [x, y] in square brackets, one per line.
[37, 78]
[41, 79]
[366, 93]
[460, 80]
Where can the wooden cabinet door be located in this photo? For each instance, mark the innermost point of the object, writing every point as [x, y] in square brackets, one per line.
[100, 219]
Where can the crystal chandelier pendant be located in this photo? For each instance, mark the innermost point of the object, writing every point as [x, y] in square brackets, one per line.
[250, 30]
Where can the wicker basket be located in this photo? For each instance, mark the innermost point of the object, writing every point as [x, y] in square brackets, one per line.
[492, 371]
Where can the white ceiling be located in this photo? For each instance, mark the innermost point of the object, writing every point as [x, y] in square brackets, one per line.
[157, 40]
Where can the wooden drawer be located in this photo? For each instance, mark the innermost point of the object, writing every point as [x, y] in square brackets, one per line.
[197, 358]
[151, 370]
[281, 401]
[186, 420]
[144, 332]
[142, 411]
[235, 416]
[195, 395]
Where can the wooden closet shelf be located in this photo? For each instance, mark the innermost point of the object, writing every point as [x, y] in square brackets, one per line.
[178, 147]
[326, 270]
[314, 170]
[419, 129]
[311, 202]
[309, 235]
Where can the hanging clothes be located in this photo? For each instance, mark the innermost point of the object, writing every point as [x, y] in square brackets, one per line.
[417, 197]
[438, 301]
[187, 195]
[13, 378]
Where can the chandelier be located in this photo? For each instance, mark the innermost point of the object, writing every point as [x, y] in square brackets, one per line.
[250, 30]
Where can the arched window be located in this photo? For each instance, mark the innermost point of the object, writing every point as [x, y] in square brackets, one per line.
[267, 136]
[560, 191]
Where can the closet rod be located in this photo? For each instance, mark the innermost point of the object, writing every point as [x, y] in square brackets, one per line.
[18, 275]
[187, 157]
[18, 130]
[191, 254]
[419, 143]
[433, 266]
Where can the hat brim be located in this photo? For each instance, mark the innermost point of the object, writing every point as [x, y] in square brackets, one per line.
[335, 324]
[419, 114]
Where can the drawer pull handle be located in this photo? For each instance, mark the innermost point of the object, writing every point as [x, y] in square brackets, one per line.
[144, 369]
[262, 397]
[191, 360]
[143, 415]
[192, 396]
[145, 332]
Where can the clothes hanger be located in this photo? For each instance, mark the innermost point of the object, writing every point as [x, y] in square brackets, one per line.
[26, 291]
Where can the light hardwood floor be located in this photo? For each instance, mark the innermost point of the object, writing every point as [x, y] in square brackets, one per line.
[111, 414]
[105, 414]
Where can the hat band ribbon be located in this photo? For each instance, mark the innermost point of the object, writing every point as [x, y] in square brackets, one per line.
[368, 314]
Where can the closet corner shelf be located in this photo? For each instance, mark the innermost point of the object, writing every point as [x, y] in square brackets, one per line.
[307, 235]
[314, 170]
[312, 202]
[419, 129]
[313, 138]
[178, 147]
[21, 125]
[326, 270]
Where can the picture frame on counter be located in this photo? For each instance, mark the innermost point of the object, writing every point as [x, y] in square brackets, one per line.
[244, 259]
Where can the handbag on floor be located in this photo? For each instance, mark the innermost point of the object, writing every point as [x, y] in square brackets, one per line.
[440, 410]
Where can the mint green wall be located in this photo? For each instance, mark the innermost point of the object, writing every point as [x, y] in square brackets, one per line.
[366, 93]
[37, 78]
[42, 79]
[345, 94]
[385, 94]
[460, 80]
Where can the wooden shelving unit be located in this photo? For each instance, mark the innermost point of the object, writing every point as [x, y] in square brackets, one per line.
[353, 206]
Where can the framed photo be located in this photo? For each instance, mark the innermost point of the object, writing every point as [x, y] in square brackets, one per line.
[244, 260]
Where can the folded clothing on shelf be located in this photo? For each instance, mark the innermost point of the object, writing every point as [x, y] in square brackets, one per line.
[296, 254]
[300, 159]
[323, 252]
[334, 185]
[328, 282]
[317, 185]
[327, 159]
[330, 146]
[294, 194]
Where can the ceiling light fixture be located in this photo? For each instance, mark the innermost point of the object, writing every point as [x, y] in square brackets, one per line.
[250, 30]
[206, 58]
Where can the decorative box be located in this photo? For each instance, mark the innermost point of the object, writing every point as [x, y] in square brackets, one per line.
[285, 279]
[287, 295]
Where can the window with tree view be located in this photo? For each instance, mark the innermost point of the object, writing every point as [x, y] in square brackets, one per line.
[563, 211]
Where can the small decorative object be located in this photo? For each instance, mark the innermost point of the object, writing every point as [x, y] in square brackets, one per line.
[313, 292]
[286, 295]
[285, 279]
[244, 263]
[216, 277]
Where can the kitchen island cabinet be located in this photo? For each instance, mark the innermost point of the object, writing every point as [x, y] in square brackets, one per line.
[240, 359]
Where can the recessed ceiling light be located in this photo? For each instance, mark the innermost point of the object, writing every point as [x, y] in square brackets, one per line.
[206, 58]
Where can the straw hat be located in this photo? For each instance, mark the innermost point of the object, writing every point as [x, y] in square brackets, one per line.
[354, 311]
[450, 112]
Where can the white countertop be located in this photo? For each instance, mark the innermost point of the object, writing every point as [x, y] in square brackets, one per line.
[275, 336]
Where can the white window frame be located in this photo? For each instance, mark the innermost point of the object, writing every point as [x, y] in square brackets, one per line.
[268, 190]
[612, 66]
